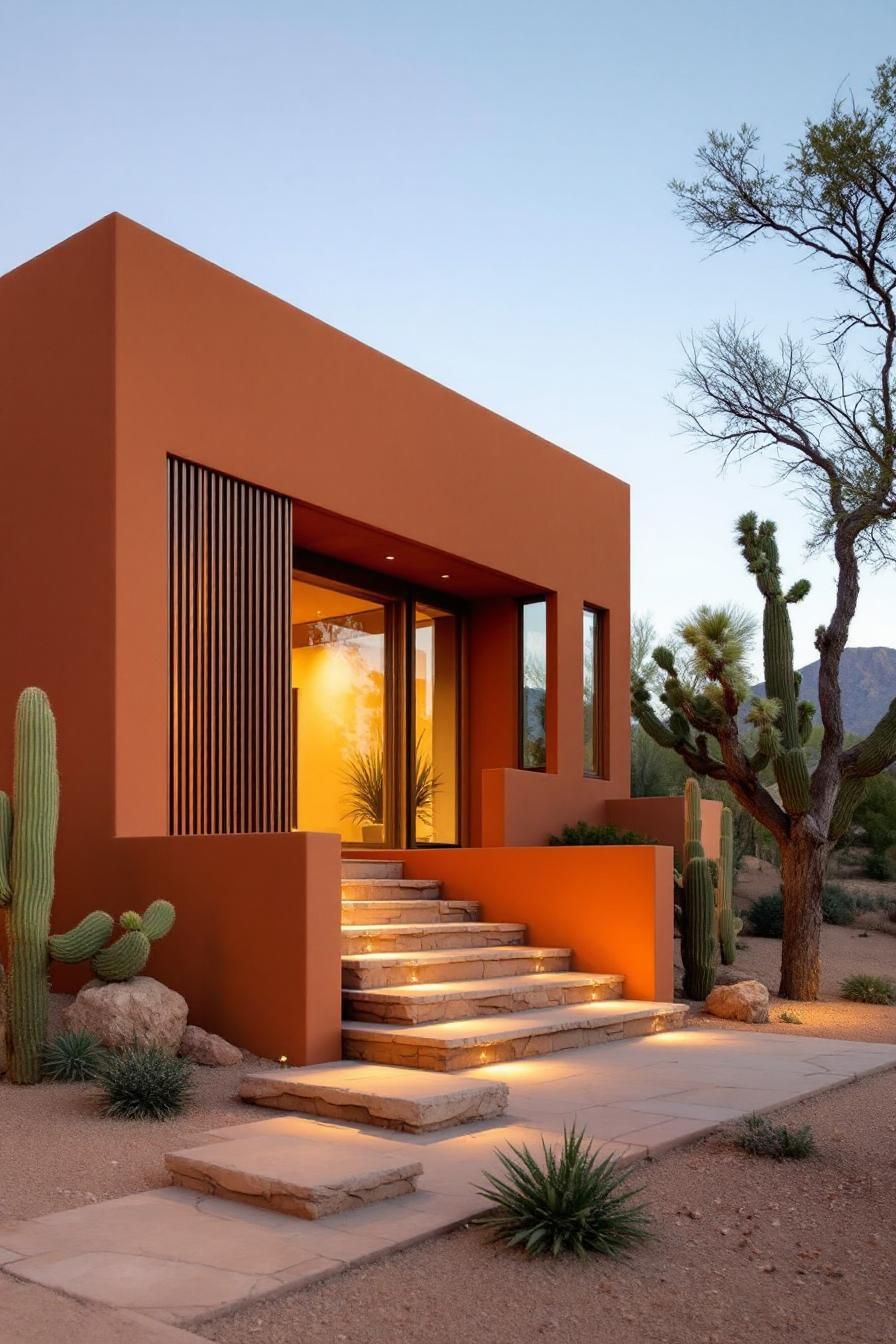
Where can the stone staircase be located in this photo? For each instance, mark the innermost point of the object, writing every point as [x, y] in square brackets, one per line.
[428, 985]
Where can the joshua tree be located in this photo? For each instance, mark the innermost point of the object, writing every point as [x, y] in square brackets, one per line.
[825, 411]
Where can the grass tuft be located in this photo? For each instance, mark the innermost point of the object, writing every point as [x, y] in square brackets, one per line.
[869, 989]
[73, 1057]
[145, 1083]
[759, 1137]
[793, 1019]
[566, 1203]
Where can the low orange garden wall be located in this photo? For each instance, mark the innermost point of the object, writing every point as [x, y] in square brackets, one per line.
[612, 904]
[255, 948]
[662, 819]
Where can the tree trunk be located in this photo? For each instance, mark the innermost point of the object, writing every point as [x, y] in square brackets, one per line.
[804, 859]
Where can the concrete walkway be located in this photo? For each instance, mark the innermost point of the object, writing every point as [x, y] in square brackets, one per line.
[176, 1256]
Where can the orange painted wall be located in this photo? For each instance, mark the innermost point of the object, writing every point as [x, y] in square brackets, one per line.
[611, 904]
[118, 348]
[662, 819]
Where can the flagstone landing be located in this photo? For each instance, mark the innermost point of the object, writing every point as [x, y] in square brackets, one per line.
[176, 1255]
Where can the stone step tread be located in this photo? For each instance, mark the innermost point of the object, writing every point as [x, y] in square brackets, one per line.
[483, 1031]
[404, 883]
[355, 870]
[477, 989]
[412, 1100]
[465, 926]
[396, 912]
[522, 951]
[280, 1171]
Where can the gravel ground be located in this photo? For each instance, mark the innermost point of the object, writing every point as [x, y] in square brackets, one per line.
[745, 1250]
[58, 1152]
[844, 951]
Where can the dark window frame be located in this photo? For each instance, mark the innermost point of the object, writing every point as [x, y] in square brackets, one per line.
[599, 665]
[538, 599]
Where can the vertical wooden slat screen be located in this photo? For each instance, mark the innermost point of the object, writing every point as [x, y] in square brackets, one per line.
[229, 595]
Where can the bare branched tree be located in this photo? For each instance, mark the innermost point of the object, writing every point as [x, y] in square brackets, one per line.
[824, 411]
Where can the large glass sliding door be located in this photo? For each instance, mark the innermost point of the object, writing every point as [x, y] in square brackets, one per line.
[376, 687]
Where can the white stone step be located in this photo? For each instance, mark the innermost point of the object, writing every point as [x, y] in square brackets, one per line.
[408, 912]
[406, 1099]
[390, 889]
[371, 868]
[277, 1170]
[448, 1046]
[478, 998]
[377, 970]
[428, 937]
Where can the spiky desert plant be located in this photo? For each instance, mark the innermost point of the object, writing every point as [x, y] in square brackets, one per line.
[363, 777]
[145, 1083]
[758, 1136]
[697, 920]
[560, 1204]
[869, 989]
[28, 826]
[729, 924]
[426, 782]
[73, 1057]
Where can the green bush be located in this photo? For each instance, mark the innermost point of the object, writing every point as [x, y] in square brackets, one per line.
[837, 906]
[879, 868]
[145, 1083]
[759, 1137]
[73, 1057]
[571, 1203]
[583, 833]
[869, 989]
[765, 916]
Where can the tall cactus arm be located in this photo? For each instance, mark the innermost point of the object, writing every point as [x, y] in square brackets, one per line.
[84, 940]
[5, 848]
[875, 752]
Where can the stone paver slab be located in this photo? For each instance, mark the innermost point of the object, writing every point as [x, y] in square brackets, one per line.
[280, 1172]
[411, 1100]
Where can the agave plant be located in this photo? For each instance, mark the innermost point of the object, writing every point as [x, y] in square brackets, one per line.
[571, 1202]
[145, 1083]
[363, 777]
[73, 1057]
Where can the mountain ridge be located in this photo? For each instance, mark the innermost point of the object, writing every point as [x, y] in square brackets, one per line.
[867, 683]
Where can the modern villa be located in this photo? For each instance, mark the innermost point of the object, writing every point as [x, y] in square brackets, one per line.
[333, 650]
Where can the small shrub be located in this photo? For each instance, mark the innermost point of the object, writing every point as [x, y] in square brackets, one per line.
[869, 989]
[568, 1203]
[837, 906]
[765, 916]
[742, 947]
[879, 868]
[73, 1057]
[793, 1019]
[583, 833]
[759, 1137]
[145, 1083]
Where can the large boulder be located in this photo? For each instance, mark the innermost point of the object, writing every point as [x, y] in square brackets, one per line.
[204, 1047]
[746, 1001]
[129, 1012]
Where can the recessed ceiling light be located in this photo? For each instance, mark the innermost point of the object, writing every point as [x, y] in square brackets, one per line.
[446, 576]
[390, 557]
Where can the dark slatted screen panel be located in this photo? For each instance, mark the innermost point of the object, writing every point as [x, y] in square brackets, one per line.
[229, 585]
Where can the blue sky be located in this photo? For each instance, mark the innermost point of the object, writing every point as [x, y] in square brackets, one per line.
[477, 188]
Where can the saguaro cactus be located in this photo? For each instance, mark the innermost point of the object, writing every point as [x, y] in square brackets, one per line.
[729, 924]
[28, 827]
[698, 904]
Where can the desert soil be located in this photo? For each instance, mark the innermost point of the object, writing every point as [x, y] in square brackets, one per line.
[58, 1152]
[745, 1250]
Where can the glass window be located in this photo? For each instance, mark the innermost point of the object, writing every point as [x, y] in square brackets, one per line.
[435, 726]
[533, 689]
[592, 690]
